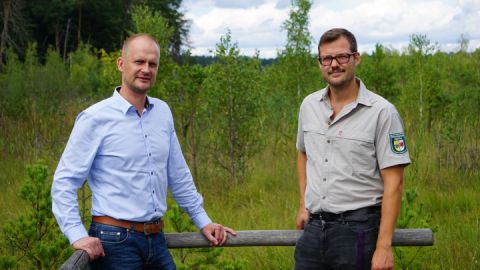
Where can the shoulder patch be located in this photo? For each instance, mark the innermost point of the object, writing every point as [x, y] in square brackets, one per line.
[397, 143]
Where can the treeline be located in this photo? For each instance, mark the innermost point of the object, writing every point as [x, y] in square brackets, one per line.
[234, 107]
[65, 25]
[205, 60]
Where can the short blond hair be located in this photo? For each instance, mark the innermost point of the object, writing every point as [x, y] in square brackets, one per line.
[127, 41]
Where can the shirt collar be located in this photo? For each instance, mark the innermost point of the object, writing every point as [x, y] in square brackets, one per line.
[362, 98]
[323, 96]
[363, 95]
[124, 105]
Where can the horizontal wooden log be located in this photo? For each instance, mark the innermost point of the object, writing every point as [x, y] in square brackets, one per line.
[402, 237]
[242, 239]
[413, 237]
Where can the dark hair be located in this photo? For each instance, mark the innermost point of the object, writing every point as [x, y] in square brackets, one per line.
[336, 33]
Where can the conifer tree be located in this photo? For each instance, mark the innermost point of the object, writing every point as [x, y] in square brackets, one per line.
[34, 235]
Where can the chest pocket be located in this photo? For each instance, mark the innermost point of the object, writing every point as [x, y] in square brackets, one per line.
[315, 141]
[359, 149]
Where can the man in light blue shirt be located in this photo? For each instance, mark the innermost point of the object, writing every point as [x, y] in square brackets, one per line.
[127, 148]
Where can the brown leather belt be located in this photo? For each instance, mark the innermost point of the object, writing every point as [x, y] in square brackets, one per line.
[146, 228]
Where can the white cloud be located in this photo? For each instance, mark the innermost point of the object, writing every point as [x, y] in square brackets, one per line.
[256, 24]
[256, 27]
[237, 3]
[376, 21]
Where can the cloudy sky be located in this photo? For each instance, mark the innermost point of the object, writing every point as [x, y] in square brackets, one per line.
[256, 24]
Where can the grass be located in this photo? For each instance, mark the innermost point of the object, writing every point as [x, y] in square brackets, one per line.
[269, 200]
[13, 171]
[455, 218]
[446, 177]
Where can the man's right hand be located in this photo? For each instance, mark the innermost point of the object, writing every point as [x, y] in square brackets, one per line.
[91, 245]
[302, 218]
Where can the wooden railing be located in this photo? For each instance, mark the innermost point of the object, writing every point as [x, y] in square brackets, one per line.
[402, 237]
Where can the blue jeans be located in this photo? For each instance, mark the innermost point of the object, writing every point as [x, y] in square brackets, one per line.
[128, 249]
[346, 244]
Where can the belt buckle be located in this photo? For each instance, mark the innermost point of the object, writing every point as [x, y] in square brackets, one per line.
[145, 227]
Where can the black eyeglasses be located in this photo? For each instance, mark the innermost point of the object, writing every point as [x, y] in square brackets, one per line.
[341, 58]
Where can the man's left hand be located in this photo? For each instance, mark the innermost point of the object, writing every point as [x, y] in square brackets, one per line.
[216, 233]
[382, 259]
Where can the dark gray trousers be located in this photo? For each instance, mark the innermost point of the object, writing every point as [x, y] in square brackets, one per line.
[345, 243]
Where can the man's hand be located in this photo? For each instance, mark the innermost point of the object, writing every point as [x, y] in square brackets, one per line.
[302, 218]
[91, 245]
[382, 259]
[216, 233]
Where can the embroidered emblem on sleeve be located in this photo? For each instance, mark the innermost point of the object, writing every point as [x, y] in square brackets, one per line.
[397, 143]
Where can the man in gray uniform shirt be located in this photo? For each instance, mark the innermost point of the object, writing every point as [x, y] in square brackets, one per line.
[351, 156]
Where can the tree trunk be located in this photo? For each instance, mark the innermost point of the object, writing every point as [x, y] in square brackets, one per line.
[3, 43]
[194, 148]
[83, 203]
[232, 137]
[79, 23]
[57, 37]
[66, 41]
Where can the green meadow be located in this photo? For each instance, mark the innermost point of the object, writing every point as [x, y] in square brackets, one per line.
[236, 121]
[268, 197]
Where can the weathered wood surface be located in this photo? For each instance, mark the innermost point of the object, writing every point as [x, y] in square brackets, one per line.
[78, 261]
[243, 238]
[413, 237]
[402, 237]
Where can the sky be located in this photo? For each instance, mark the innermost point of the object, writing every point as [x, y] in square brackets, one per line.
[257, 24]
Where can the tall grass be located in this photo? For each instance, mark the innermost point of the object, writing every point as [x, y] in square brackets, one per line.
[447, 181]
[269, 200]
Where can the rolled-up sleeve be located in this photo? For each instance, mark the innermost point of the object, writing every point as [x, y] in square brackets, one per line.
[390, 132]
[300, 140]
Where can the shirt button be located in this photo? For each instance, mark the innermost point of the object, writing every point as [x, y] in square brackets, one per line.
[153, 192]
[146, 135]
[151, 173]
[149, 154]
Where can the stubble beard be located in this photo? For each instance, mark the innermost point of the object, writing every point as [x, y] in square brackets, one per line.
[139, 90]
[343, 83]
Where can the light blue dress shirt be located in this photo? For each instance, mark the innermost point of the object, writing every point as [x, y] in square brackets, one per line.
[129, 162]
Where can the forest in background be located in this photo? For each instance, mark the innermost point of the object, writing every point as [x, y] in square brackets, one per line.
[236, 119]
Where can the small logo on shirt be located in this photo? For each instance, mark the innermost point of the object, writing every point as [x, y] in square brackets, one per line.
[397, 143]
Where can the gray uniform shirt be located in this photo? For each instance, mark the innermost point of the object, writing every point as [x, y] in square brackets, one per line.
[345, 156]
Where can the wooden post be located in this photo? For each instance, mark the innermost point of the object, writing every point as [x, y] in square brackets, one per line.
[78, 261]
[402, 237]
